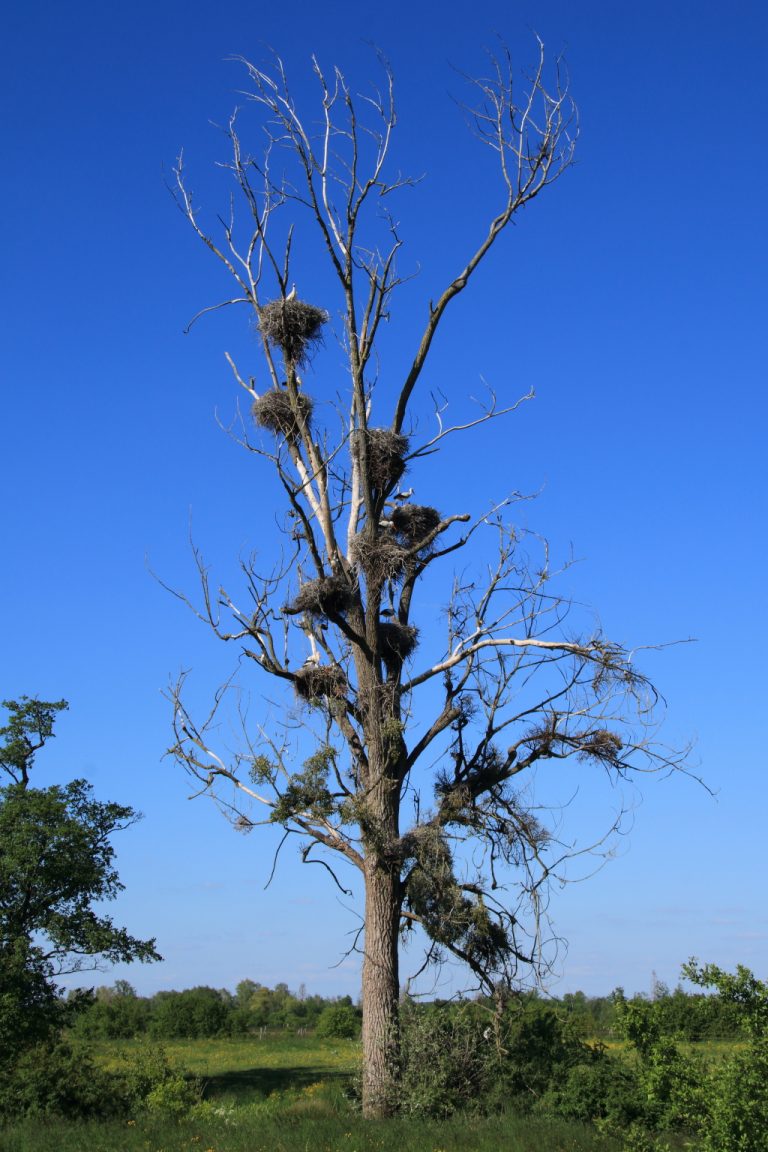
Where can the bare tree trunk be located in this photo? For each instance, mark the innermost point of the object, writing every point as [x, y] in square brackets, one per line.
[381, 987]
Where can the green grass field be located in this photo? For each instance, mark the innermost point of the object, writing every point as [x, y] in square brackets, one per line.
[243, 1071]
[288, 1094]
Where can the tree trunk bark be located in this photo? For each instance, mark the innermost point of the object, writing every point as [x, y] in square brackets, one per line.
[381, 988]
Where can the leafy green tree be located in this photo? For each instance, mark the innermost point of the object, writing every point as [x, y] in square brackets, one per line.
[56, 862]
[738, 1086]
[340, 1021]
[196, 1012]
[670, 1080]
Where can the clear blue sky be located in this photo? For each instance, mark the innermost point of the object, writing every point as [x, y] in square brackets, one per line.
[633, 297]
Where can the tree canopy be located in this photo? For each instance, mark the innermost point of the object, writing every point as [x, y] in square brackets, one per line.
[56, 863]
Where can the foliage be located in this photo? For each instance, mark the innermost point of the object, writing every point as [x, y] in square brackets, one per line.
[669, 1080]
[57, 1078]
[446, 1061]
[338, 1020]
[56, 862]
[115, 1013]
[737, 1091]
[549, 1089]
[198, 1013]
[148, 1078]
[194, 1013]
[602, 1087]
[467, 1056]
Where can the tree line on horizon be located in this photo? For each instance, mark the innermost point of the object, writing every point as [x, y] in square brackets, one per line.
[119, 1012]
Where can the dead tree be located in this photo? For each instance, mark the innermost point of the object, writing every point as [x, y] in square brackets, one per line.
[472, 865]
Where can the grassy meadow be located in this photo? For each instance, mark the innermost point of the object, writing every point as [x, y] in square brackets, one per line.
[286, 1094]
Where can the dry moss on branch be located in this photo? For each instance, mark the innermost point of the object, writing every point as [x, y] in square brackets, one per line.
[294, 327]
[278, 413]
[602, 745]
[327, 596]
[413, 522]
[385, 451]
[316, 682]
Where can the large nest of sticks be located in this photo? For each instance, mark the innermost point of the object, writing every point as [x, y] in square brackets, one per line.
[316, 681]
[386, 451]
[276, 411]
[397, 641]
[292, 326]
[328, 596]
[380, 559]
[414, 521]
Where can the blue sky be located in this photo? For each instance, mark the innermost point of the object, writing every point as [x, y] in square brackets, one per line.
[632, 297]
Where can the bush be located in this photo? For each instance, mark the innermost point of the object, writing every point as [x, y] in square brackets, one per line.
[338, 1021]
[738, 1103]
[61, 1080]
[149, 1080]
[602, 1088]
[538, 1048]
[446, 1060]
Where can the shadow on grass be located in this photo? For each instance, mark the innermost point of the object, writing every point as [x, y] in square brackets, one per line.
[248, 1082]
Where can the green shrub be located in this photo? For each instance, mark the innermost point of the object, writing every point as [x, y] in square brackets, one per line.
[446, 1060]
[602, 1088]
[338, 1021]
[58, 1079]
[738, 1103]
[536, 1049]
[671, 1082]
[149, 1079]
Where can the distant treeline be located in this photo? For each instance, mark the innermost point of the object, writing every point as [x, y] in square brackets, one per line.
[119, 1013]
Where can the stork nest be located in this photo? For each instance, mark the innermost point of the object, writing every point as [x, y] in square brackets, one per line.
[294, 327]
[397, 641]
[328, 596]
[414, 521]
[313, 683]
[385, 452]
[276, 411]
[380, 559]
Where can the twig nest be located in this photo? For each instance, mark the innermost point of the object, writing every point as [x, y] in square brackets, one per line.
[602, 745]
[386, 451]
[414, 521]
[380, 559]
[316, 682]
[397, 641]
[328, 596]
[277, 412]
[293, 326]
